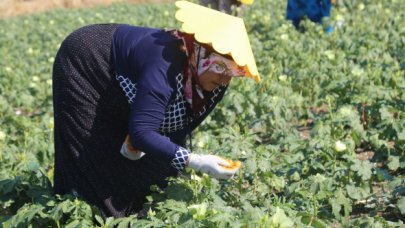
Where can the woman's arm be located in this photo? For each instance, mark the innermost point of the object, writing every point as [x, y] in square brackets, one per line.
[156, 84]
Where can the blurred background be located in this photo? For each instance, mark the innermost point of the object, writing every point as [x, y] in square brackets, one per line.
[321, 138]
[11, 8]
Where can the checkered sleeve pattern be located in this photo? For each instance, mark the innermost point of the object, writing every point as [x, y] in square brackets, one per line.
[175, 116]
[128, 87]
[216, 92]
[180, 159]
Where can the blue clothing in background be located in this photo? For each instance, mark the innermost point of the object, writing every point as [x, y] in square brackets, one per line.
[314, 10]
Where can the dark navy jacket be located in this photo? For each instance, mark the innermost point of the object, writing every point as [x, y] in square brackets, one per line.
[149, 66]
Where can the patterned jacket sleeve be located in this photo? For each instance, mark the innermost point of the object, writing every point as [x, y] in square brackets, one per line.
[155, 86]
[147, 113]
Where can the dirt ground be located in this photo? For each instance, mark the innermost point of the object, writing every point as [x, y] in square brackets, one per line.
[12, 8]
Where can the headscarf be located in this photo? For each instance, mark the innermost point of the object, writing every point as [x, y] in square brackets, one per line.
[201, 58]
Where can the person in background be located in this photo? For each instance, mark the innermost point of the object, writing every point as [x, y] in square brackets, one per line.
[126, 98]
[314, 10]
[233, 7]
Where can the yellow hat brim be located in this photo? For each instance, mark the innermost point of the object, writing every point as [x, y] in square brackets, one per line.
[227, 34]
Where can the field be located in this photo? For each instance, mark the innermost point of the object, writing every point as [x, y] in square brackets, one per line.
[321, 138]
[12, 8]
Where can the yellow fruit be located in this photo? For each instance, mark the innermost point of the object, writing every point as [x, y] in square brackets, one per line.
[232, 164]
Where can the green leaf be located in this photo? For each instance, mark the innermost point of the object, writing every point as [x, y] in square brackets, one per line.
[224, 218]
[393, 162]
[33, 166]
[386, 115]
[179, 192]
[357, 193]
[199, 211]
[309, 219]
[99, 220]
[362, 169]
[340, 202]
[124, 223]
[401, 134]
[73, 224]
[278, 183]
[280, 219]
[8, 185]
[401, 205]
[383, 175]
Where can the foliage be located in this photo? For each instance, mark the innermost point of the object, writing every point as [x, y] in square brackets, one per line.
[325, 101]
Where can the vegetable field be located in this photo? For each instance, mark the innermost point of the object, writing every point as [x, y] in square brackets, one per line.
[321, 138]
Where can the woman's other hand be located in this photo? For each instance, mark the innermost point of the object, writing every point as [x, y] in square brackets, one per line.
[128, 151]
[212, 165]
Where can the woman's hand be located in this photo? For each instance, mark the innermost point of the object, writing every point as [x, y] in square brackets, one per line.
[128, 151]
[212, 165]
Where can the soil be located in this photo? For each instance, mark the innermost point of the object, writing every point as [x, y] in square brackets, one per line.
[12, 8]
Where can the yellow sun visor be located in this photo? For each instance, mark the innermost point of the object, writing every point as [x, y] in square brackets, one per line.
[225, 33]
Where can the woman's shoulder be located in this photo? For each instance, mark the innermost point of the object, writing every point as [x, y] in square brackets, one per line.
[147, 40]
[148, 53]
[128, 29]
[139, 33]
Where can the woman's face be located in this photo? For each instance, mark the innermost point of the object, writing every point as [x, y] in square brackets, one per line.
[210, 80]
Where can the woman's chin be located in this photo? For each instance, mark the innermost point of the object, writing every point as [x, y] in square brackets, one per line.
[210, 88]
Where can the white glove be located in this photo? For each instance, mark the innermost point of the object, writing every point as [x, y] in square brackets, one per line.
[211, 165]
[129, 153]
